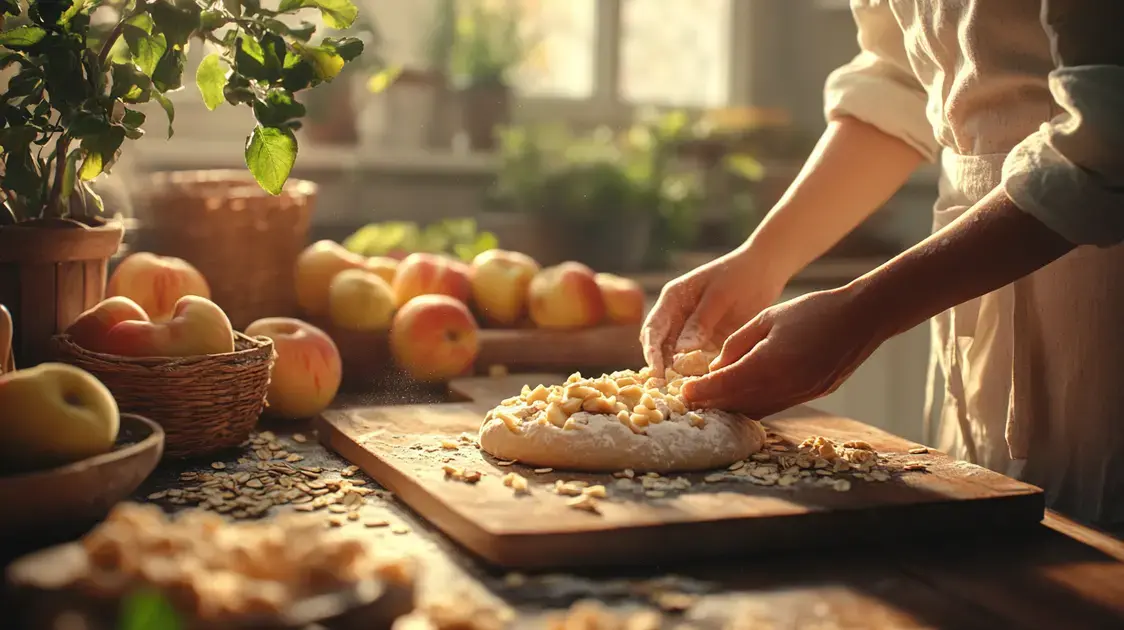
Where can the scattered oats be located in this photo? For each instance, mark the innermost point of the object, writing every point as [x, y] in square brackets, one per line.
[735, 466]
[624, 484]
[597, 492]
[358, 482]
[242, 461]
[282, 454]
[628, 473]
[500, 462]
[175, 492]
[239, 514]
[353, 516]
[400, 529]
[652, 475]
[299, 438]
[841, 485]
[514, 580]
[376, 523]
[714, 478]
[497, 371]
[218, 465]
[449, 445]
[918, 450]
[858, 444]
[336, 508]
[294, 458]
[473, 476]
[880, 475]
[156, 496]
[267, 436]
[542, 471]
[253, 483]
[912, 466]
[761, 457]
[655, 494]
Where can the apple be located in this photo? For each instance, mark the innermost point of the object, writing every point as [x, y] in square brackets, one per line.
[360, 300]
[54, 414]
[307, 372]
[385, 266]
[91, 327]
[624, 299]
[197, 327]
[434, 338]
[499, 284]
[316, 266]
[566, 296]
[155, 283]
[430, 274]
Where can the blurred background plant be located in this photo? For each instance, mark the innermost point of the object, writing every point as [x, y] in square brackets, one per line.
[459, 238]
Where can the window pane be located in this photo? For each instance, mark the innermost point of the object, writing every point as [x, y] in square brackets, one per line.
[561, 64]
[675, 52]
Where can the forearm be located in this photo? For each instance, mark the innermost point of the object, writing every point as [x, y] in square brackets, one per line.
[853, 170]
[992, 245]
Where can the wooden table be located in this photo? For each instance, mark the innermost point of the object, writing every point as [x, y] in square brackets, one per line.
[1054, 575]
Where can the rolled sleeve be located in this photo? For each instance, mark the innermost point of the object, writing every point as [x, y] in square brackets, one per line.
[1070, 173]
[877, 86]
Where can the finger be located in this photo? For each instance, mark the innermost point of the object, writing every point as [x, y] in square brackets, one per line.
[733, 381]
[743, 341]
[651, 339]
[699, 327]
[655, 332]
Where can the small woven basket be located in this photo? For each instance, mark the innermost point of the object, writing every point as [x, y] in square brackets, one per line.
[205, 403]
[242, 239]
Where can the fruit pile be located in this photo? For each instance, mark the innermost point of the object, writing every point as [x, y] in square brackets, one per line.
[430, 304]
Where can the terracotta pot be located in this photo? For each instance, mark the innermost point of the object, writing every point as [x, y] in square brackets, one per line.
[483, 108]
[51, 271]
[338, 127]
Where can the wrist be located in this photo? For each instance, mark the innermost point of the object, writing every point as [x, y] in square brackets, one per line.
[875, 304]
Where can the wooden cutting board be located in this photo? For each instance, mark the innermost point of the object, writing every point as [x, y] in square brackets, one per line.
[401, 447]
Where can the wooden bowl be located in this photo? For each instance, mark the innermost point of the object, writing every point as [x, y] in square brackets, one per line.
[42, 593]
[69, 499]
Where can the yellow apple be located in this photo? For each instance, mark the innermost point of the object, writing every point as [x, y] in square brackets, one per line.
[54, 414]
[499, 285]
[197, 327]
[307, 373]
[384, 266]
[566, 296]
[156, 283]
[360, 300]
[316, 266]
[434, 338]
[624, 298]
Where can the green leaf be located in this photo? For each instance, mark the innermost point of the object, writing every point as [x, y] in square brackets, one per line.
[22, 36]
[325, 63]
[277, 109]
[237, 90]
[10, 7]
[211, 20]
[133, 118]
[148, 610]
[22, 176]
[143, 22]
[147, 49]
[70, 174]
[101, 152]
[86, 124]
[298, 73]
[168, 75]
[129, 84]
[210, 78]
[270, 155]
[169, 109]
[176, 20]
[383, 79]
[347, 47]
[337, 14]
[78, 6]
[249, 59]
[92, 195]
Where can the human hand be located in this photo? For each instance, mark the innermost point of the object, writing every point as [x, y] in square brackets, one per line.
[789, 354]
[700, 309]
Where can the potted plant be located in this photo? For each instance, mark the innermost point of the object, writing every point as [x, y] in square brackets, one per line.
[487, 45]
[78, 96]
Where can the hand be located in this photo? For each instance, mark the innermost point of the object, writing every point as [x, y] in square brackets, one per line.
[789, 354]
[703, 307]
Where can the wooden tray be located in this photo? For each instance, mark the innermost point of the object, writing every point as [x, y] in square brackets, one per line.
[400, 447]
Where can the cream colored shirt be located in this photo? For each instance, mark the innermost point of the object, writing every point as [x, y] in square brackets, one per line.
[1026, 95]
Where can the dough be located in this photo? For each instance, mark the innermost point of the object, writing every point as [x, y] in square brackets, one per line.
[615, 422]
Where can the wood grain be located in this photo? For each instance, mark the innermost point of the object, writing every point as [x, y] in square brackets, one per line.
[400, 446]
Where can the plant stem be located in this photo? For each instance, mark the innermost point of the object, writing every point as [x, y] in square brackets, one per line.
[53, 201]
[110, 39]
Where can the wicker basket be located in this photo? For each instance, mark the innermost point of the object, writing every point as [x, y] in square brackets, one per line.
[244, 240]
[205, 403]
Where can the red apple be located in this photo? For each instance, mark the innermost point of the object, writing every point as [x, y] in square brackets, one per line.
[156, 283]
[307, 373]
[90, 329]
[566, 296]
[430, 274]
[624, 299]
[434, 338]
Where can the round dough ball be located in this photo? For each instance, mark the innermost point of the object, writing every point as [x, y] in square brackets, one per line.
[604, 444]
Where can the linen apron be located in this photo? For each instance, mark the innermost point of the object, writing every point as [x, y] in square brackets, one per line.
[1027, 380]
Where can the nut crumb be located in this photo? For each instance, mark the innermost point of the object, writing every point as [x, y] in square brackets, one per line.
[655, 494]
[597, 492]
[299, 438]
[542, 471]
[400, 529]
[736, 466]
[516, 482]
[449, 445]
[376, 523]
[584, 502]
[218, 465]
[915, 466]
[335, 521]
[500, 462]
[918, 450]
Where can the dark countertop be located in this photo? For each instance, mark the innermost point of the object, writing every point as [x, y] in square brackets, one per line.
[1053, 575]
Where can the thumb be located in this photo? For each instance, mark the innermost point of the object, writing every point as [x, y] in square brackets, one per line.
[740, 343]
[699, 327]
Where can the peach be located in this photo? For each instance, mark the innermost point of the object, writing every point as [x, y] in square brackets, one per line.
[360, 300]
[316, 266]
[434, 338]
[384, 266]
[197, 327]
[91, 327]
[54, 414]
[307, 373]
[566, 296]
[156, 283]
[431, 274]
[499, 285]
[624, 299]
